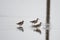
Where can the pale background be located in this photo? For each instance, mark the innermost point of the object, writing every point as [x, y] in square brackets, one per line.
[12, 11]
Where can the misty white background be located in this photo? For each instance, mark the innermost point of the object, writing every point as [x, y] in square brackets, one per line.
[12, 11]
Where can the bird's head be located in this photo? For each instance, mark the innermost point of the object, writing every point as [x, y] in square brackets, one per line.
[22, 21]
[37, 19]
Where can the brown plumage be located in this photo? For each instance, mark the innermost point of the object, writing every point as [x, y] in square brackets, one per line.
[20, 23]
[38, 30]
[36, 26]
[34, 21]
[20, 28]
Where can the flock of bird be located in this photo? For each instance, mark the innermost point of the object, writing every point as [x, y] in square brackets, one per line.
[34, 26]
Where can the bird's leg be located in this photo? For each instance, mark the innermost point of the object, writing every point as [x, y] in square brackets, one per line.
[20, 25]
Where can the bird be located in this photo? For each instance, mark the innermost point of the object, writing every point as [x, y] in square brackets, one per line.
[20, 23]
[20, 28]
[37, 30]
[34, 21]
[36, 26]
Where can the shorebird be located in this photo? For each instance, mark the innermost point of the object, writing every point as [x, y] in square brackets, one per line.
[34, 21]
[20, 28]
[36, 26]
[38, 30]
[20, 23]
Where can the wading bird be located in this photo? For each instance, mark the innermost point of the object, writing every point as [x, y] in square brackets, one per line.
[20, 23]
[34, 21]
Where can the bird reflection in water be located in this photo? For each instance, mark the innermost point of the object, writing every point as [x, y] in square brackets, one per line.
[20, 28]
[37, 30]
